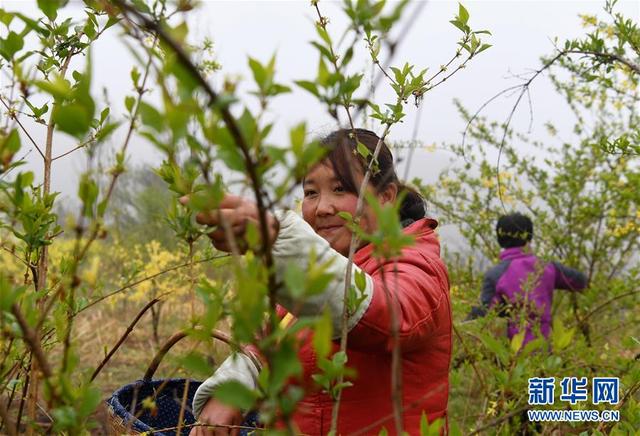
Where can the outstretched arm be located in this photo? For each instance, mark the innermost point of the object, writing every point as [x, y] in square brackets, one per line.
[569, 278]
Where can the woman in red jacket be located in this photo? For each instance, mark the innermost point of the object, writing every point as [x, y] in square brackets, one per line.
[416, 281]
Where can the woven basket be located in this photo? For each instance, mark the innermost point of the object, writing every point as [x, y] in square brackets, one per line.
[172, 397]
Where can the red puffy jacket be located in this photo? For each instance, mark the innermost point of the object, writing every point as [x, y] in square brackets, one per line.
[419, 283]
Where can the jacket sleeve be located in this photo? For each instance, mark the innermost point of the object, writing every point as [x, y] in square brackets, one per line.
[488, 289]
[295, 242]
[487, 292]
[569, 278]
[417, 287]
[237, 367]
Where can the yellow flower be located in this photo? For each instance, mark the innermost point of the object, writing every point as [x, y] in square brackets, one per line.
[588, 20]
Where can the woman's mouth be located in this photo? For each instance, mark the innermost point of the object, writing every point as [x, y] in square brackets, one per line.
[329, 230]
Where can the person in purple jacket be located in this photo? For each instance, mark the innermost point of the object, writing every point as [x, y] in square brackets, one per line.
[522, 284]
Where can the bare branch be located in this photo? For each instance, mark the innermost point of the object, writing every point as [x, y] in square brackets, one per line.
[123, 338]
[24, 130]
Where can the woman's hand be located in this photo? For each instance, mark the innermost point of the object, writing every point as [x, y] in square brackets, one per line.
[216, 413]
[234, 213]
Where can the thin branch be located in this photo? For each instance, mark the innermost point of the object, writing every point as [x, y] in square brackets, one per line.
[174, 339]
[144, 279]
[499, 420]
[473, 365]
[229, 121]
[322, 22]
[78, 147]
[4, 414]
[608, 302]
[396, 353]
[123, 338]
[608, 56]
[352, 249]
[524, 89]
[30, 337]
[24, 130]
[393, 47]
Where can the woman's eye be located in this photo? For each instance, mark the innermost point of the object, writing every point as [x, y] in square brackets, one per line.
[309, 192]
[338, 188]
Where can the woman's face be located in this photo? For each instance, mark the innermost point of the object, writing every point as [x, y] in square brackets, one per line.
[324, 197]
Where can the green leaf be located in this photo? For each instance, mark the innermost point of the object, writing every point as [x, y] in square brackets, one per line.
[363, 151]
[196, 364]
[561, 337]
[360, 279]
[129, 101]
[424, 425]
[298, 135]
[260, 75]
[228, 152]
[482, 48]
[5, 17]
[11, 143]
[150, 116]
[50, 7]
[72, 119]
[88, 194]
[10, 45]
[463, 14]
[135, 76]
[322, 334]
[285, 364]
[516, 341]
[90, 399]
[141, 5]
[106, 131]
[58, 87]
[308, 86]
[295, 279]
[234, 393]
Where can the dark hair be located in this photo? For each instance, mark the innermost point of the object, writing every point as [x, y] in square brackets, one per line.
[514, 230]
[346, 161]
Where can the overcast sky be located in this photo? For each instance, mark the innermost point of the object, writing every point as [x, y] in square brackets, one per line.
[521, 33]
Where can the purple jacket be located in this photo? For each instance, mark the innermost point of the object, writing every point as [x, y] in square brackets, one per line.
[526, 284]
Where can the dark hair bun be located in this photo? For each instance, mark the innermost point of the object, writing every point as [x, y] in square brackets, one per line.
[514, 230]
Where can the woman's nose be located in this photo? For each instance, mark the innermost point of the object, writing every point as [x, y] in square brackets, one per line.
[325, 206]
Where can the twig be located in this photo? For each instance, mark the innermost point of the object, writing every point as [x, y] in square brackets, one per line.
[608, 56]
[473, 364]
[524, 89]
[632, 390]
[144, 279]
[174, 339]
[499, 420]
[352, 249]
[231, 124]
[322, 22]
[30, 337]
[23, 398]
[393, 46]
[78, 147]
[24, 130]
[609, 301]
[183, 404]
[4, 414]
[396, 352]
[123, 338]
